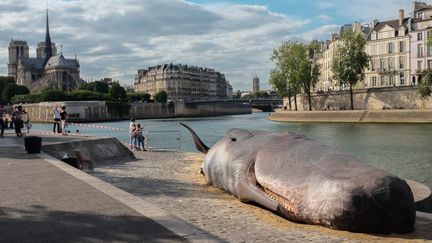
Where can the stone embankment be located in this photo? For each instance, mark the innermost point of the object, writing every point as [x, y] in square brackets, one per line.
[355, 116]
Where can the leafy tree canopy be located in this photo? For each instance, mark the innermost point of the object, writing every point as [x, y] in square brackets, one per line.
[117, 92]
[160, 96]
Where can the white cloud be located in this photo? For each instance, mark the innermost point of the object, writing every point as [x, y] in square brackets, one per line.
[114, 38]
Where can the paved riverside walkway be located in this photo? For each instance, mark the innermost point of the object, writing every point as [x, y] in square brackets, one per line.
[46, 200]
[171, 180]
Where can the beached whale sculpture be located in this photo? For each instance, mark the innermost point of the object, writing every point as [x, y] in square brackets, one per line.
[308, 182]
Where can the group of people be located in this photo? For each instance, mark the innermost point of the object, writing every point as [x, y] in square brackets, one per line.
[137, 135]
[60, 116]
[19, 120]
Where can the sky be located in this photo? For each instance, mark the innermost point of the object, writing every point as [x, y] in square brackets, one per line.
[115, 38]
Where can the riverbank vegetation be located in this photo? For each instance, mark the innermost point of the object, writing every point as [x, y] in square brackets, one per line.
[296, 69]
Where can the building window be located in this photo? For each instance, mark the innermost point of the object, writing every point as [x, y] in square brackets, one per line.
[420, 50]
[401, 63]
[391, 80]
[402, 79]
[419, 65]
[401, 46]
[382, 63]
[420, 36]
[390, 47]
[382, 80]
[374, 81]
[429, 67]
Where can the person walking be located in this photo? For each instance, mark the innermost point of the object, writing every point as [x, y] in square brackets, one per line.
[63, 118]
[57, 120]
[132, 130]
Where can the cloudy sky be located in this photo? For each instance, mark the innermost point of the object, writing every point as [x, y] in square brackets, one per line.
[115, 38]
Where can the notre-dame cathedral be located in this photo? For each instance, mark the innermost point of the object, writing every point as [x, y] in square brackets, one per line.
[47, 70]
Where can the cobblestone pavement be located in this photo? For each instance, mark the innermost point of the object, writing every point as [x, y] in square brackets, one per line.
[171, 181]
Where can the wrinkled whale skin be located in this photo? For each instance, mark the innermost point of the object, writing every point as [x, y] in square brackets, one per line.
[309, 182]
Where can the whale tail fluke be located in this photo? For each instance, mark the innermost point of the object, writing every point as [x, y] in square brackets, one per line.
[198, 143]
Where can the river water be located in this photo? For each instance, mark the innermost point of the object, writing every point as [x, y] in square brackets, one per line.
[402, 149]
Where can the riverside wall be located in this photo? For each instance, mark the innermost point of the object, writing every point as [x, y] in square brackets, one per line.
[365, 99]
[356, 116]
[94, 111]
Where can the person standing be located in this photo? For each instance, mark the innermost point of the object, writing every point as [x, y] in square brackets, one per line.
[63, 118]
[17, 119]
[140, 137]
[57, 120]
[2, 123]
[132, 128]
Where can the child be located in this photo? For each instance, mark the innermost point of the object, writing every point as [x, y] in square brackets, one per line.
[133, 139]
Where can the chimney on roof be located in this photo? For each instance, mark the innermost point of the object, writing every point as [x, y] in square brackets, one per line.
[401, 17]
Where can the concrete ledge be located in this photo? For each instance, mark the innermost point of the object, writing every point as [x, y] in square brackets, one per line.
[99, 151]
[422, 196]
[356, 116]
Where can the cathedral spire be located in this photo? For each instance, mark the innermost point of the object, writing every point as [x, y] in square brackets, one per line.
[48, 49]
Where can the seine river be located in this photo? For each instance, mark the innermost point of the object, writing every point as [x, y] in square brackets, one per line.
[402, 149]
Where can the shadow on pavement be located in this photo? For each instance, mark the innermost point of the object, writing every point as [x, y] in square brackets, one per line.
[38, 224]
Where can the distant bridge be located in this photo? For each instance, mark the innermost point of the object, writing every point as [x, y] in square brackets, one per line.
[266, 105]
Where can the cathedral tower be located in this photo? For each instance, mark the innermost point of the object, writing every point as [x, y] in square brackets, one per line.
[18, 51]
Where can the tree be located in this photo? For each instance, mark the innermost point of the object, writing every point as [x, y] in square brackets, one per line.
[260, 95]
[161, 96]
[309, 70]
[293, 71]
[12, 89]
[424, 86]
[350, 60]
[138, 97]
[117, 92]
[237, 95]
[97, 86]
[5, 80]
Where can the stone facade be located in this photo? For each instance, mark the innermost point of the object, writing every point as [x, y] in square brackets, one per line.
[255, 84]
[421, 27]
[183, 82]
[47, 70]
[325, 58]
[388, 46]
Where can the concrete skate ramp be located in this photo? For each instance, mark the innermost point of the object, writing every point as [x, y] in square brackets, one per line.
[99, 150]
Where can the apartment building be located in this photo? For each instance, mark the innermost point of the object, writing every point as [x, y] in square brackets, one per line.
[421, 28]
[325, 59]
[183, 82]
[388, 45]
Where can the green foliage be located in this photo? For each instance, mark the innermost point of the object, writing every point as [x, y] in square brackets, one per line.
[295, 68]
[53, 95]
[117, 92]
[118, 108]
[5, 80]
[12, 89]
[160, 96]
[96, 86]
[260, 95]
[424, 87]
[87, 95]
[350, 60]
[138, 97]
[237, 95]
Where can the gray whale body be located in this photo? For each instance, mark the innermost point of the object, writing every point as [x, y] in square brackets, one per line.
[308, 182]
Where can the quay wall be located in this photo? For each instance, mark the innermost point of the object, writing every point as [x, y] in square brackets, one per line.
[364, 99]
[93, 111]
[356, 116]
